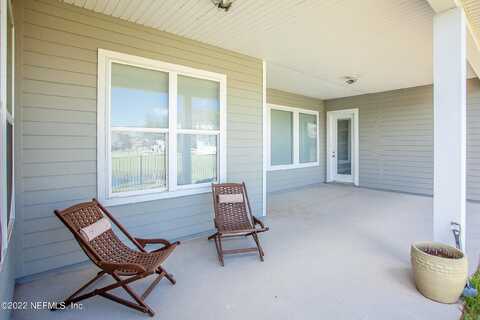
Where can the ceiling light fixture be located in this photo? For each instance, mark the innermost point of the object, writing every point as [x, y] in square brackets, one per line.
[223, 4]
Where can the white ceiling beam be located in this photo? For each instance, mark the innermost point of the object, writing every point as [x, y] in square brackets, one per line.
[443, 5]
[473, 39]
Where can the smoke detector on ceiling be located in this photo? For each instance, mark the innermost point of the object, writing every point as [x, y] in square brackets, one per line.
[223, 4]
[350, 80]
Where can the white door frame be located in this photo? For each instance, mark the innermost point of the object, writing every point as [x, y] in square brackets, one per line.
[333, 116]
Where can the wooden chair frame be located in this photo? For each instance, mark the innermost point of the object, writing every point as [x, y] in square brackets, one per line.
[234, 228]
[122, 273]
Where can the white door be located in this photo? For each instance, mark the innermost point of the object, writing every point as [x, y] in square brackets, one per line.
[342, 146]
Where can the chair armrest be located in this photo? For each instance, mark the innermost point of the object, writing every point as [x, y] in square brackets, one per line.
[111, 267]
[144, 242]
[259, 222]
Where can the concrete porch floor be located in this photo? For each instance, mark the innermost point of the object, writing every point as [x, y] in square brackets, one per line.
[333, 252]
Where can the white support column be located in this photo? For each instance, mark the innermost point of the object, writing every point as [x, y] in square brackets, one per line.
[450, 71]
[264, 138]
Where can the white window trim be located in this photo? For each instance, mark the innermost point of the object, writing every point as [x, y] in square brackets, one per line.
[6, 117]
[105, 58]
[348, 114]
[11, 120]
[296, 139]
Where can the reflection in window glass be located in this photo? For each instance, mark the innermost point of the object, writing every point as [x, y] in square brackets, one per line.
[139, 97]
[196, 159]
[308, 137]
[10, 64]
[138, 161]
[7, 152]
[344, 147]
[281, 137]
[9, 169]
[198, 104]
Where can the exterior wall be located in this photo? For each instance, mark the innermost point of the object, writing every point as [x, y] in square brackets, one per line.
[7, 268]
[58, 153]
[396, 138]
[7, 279]
[473, 140]
[294, 178]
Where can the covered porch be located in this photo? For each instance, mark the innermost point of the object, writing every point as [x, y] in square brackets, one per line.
[354, 126]
[335, 252]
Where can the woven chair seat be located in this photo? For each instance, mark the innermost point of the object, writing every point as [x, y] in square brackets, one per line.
[234, 226]
[108, 246]
[231, 216]
[111, 249]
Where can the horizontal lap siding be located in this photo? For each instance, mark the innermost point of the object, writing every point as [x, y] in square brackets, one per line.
[473, 140]
[396, 138]
[59, 117]
[294, 178]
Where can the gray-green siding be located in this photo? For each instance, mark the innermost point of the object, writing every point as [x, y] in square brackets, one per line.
[9, 264]
[473, 140]
[396, 138]
[294, 178]
[7, 280]
[58, 145]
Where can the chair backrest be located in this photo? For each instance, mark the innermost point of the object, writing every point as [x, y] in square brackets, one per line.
[105, 246]
[228, 215]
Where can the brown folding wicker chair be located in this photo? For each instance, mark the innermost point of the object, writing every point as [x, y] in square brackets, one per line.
[124, 264]
[234, 218]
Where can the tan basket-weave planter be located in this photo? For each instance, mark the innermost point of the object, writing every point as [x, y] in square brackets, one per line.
[440, 271]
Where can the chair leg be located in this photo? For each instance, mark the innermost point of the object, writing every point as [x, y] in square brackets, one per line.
[218, 245]
[72, 299]
[152, 285]
[127, 303]
[257, 241]
[135, 297]
[101, 291]
[140, 303]
[167, 275]
[213, 236]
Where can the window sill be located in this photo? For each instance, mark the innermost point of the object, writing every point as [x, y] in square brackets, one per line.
[121, 200]
[294, 166]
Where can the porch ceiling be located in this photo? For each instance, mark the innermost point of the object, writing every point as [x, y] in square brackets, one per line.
[309, 46]
[472, 8]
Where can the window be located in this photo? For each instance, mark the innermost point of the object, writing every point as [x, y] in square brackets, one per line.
[281, 137]
[161, 129]
[139, 128]
[293, 137]
[308, 137]
[7, 194]
[198, 115]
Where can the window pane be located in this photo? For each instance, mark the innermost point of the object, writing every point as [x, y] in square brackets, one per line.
[344, 147]
[138, 161]
[9, 169]
[196, 159]
[308, 137]
[281, 137]
[139, 97]
[198, 104]
[10, 66]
